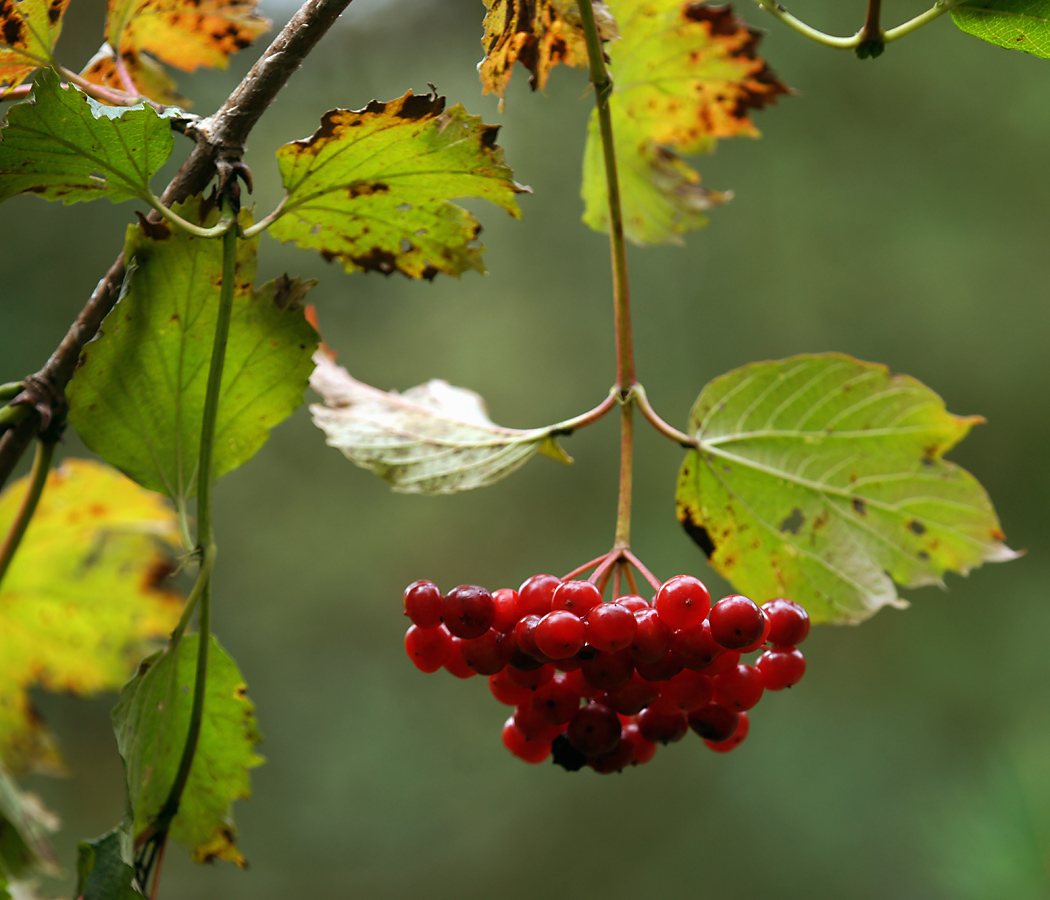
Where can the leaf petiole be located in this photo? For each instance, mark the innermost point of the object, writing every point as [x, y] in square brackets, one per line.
[217, 230]
[265, 222]
[934, 12]
[10, 390]
[37, 479]
[659, 424]
[12, 415]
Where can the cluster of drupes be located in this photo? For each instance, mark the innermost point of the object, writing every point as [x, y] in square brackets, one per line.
[603, 683]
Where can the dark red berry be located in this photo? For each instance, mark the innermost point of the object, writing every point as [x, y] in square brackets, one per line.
[534, 596]
[714, 723]
[531, 678]
[662, 725]
[505, 606]
[610, 626]
[580, 684]
[468, 611]
[666, 667]
[579, 597]
[688, 690]
[652, 639]
[456, 664]
[634, 696]
[594, 730]
[506, 691]
[559, 634]
[525, 645]
[566, 755]
[726, 662]
[643, 750]
[616, 761]
[789, 622]
[696, 648]
[487, 654]
[534, 725]
[739, 689]
[532, 751]
[556, 701]
[738, 736]
[608, 671]
[428, 648]
[781, 667]
[736, 622]
[683, 602]
[423, 604]
[760, 642]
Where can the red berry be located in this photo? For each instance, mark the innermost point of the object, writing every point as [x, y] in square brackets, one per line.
[728, 661]
[534, 725]
[559, 634]
[781, 667]
[633, 602]
[456, 664]
[696, 648]
[428, 648]
[576, 596]
[643, 750]
[524, 654]
[666, 667]
[738, 736]
[506, 691]
[580, 684]
[750, 648]
[789, 622]
[688, 690]
[610, 626]
[736, 622]
[594, 730]
[634, 696]
[555, 701]
[739, 689]
[468, 611]
[423, 603]
[532, 751]
[505, 606]
[608, 671]
[652, 638]
[487, 654]
[662, 725]
[683, 602]
[534, 596]
[616, 761]
[531, 678]
[714, 723]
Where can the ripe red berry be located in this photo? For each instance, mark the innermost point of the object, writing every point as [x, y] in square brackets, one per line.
[662, 725]
[607, 671]
[530, 678]
[505, 607]
[534, 725]
[468, 611]
[486, 654]
[683, 602]
[610, 626]
[736, 622]
[428, 648]
[456, 664]
[739, 689]
[532, 751]
[594, 730]
[559, 634]
[524, 654]
[643, 750]
[726, 662]
[580, 684]
[761, 641]
[688, 690]
[789, 622]
[633, 697]
[423, 603]
[534, 596]
[579, 597]
[652, 638]
[666, 667]
[555, 701]
[633, 602]
[714, 723]
[781, 667]
[616, 761]
[733, 742]
[696, 647]
[506, 691]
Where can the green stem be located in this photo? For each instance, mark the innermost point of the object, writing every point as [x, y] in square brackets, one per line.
[37, 479]
[203, 578]
[642, 399]
[221, 228]
[828, 40]
[854, 41]
[934, 12]
[12, 415]
[622, 536]
[10, 390]
[264, 223]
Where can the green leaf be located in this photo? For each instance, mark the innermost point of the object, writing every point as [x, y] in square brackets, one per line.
[151, 721]
[103, 870]
[24, 826]
[820, 478]
[1014, 24]
[62, 145]
[684, 75]
[372, 187]
[84, 600]
[138, 397]
[432, 439]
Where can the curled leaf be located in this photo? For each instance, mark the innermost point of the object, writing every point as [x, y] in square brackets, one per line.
[432, 439]
[821, 478]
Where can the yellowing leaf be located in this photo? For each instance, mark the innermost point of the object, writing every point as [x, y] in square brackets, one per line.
[372, 187]
[184, 33]
[148, 76]
[432, 439]
[538, 34]
[684, 75]
[28, 31]
[83, 597]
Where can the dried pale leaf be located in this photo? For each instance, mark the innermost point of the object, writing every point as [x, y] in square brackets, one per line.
[28, 32]
[821, 478]
[84, 597]
[372, 187]
[432, 439]
[147, 76]
[685, 75]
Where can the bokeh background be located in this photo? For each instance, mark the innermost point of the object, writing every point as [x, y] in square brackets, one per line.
[895, 209]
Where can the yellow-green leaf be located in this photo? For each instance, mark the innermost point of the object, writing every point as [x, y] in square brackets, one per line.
[1013, 24]
[28, 31]
[684, 75]
[147, 76]
[820, 478]
[83, 599]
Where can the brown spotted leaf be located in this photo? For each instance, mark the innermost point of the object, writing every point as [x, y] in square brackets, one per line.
[372, 187]
[28, 31]
[83, 598]
[820, 478]
[685, 75]
[537, 33]
[147, 76]
[184, 33]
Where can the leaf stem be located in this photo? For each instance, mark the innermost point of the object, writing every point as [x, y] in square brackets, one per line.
[10, 390]
[217, 230]
[868, 33]
[266, 221]
[828, 40]
[203, 578]
[584, 419]
[98, 91]
[936, 11]
[622, 535]
[12, 415]
[37, 479]
[659, 424]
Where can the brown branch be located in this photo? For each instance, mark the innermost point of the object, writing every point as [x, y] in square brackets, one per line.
[219, 137]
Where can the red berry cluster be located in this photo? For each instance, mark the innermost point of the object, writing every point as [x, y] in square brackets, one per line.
[645, 673]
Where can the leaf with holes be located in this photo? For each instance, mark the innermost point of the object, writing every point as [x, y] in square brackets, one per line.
[83, 599]
[1014, 24]
[432, 439]
[147, 76]
[821, 479]
[137, 398]
[184, 33]
[65, 146]
[539, 35]
[684, 75]
[151, 721]
[372, 187]
[28, 32]
[24, 825]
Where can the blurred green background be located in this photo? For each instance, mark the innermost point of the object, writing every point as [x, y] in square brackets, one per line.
[896, 209]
